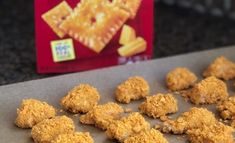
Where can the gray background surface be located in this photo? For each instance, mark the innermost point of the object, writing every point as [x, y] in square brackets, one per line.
[52, 90]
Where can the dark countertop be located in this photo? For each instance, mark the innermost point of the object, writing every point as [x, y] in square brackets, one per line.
[177, 31]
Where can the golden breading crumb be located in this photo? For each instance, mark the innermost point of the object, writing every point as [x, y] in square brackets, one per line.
[151, 136]
[233, 123]
[180, 78]
[159, 105]
[208, 91]
[81, 98]
[194, 118]
[227, 108]
[32, 111]
[76, 137]
[213, 133]
[221, 68]
[102, 115]
[132, 89]
[127, 126]
[128, 110]
[48, 129]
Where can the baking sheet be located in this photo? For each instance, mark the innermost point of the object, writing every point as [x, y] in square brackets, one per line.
[53, 89]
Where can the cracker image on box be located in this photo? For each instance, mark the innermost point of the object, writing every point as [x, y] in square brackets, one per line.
[77, 137]
[48, 129]
[81, 99]
[134, 88]
[102, 115]
[56, 15]
[150, 136]
[209, 91]
[134, 47]
[32, 111]
[194, 118]
[159, 105]
[94, 23]
[128, 34]
[132, 6]
[221, 68]
[180, 78]
[128, 126]
[214, 133]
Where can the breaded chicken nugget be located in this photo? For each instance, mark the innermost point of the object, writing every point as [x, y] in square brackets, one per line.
[133, 88]
[194, 118]
[127, 126]
[150, 136]
[81, 98]
[180, 78]
[48, 129]
[76, 137]
[102, 115]
[159, 105]
[208, 91]
[221, 68]
[214, 133]
[32, 111]
[227, 108]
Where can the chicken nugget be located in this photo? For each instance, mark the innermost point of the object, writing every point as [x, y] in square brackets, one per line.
[150, 136]
[159, 105]
[194, 118]
[227, 108]
[102, 115]
[33, 111]
[134, 88]
[221, 68]
[127, 126]
[213, 133]
[48, 129]
[81, 99]
[208, 91]
[76, 137]
[180, 78]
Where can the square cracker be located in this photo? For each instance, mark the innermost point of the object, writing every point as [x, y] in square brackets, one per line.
[56, 15]
[131, 6]
[94, 23]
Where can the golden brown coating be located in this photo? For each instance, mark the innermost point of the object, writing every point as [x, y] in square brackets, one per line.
[133, 88]
[81, 98]
[180, 78]
[150, 136]
[208, 91]
[227, 108]
[233, 123]
[213, 133]
[48, 129]
[159, 105]
[127, 126]
[221, 68]
[33, 111]
[102, 115]
[76, 137]
[194, 118]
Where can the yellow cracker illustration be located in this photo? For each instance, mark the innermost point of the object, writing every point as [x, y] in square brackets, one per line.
[94, 23]
[56, 15]
[132, 6]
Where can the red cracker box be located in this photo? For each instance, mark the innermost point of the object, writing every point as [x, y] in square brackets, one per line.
[77, 35]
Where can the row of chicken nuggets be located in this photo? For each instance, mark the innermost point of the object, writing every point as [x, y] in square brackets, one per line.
[198, 123]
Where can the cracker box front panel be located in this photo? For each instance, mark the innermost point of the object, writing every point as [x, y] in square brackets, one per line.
[78, 35]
